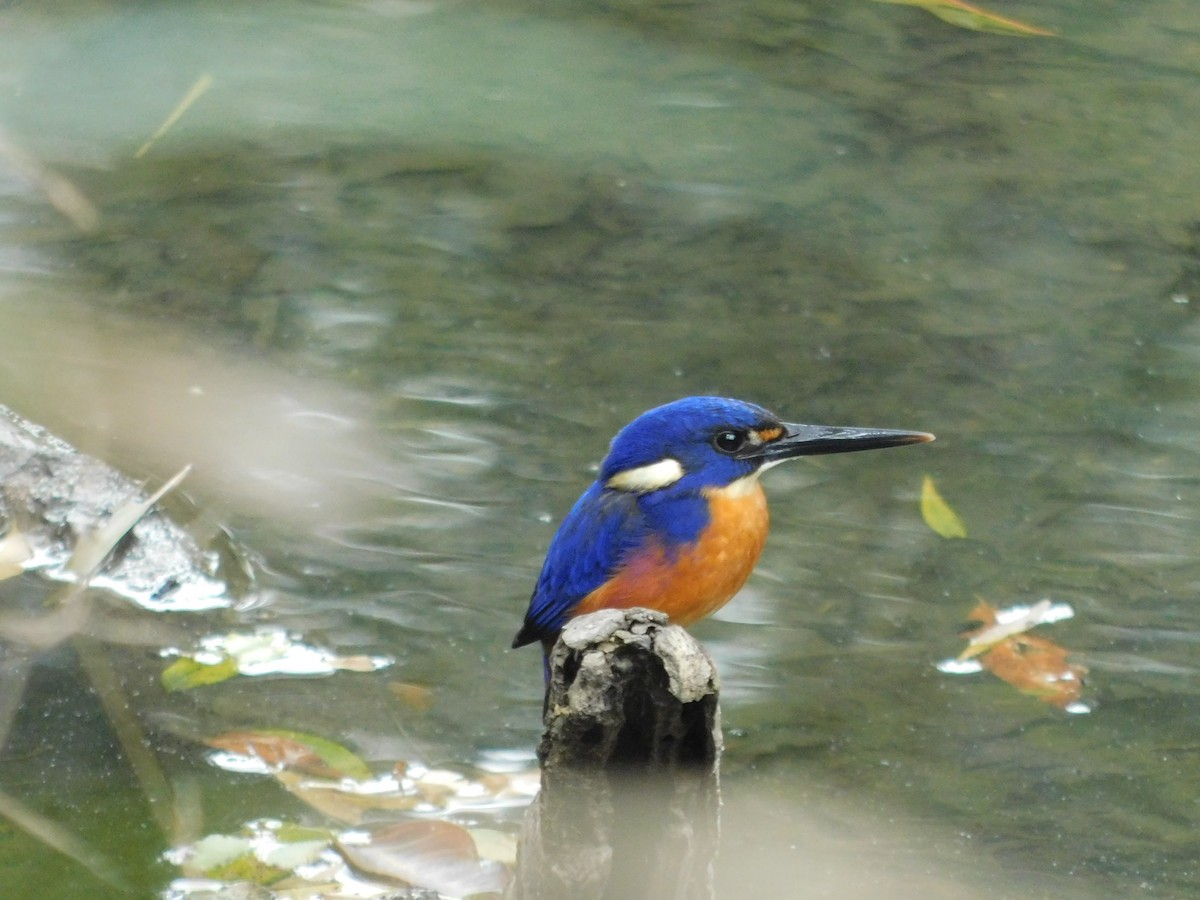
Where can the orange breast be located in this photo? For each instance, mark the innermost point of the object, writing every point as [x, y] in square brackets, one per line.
[698, 578]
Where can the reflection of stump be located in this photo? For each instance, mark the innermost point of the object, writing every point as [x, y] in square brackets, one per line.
[629, 798]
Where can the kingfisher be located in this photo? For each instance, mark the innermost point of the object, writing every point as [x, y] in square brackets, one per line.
[677, 518]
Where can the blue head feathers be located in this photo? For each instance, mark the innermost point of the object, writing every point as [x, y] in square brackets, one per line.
[687, 432]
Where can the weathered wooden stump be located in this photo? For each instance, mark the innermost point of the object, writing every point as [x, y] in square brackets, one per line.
[629, 802]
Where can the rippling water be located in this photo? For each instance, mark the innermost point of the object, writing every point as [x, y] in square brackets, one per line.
[395, 279]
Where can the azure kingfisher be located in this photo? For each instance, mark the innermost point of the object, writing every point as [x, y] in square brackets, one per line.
[677, 518]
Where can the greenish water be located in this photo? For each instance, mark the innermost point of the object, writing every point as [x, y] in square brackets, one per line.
[393, 282]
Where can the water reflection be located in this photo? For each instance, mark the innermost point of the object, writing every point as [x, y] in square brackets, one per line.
[422, 261]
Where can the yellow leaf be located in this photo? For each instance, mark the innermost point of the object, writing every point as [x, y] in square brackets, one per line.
[937, 512]
[186, 673]
[964, 15]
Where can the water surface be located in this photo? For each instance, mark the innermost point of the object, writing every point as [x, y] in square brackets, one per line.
[393, 282]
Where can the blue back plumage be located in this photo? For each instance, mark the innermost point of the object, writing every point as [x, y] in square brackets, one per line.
[605, 525]
[602, 527]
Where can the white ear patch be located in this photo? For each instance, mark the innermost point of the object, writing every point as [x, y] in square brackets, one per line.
[645, 479]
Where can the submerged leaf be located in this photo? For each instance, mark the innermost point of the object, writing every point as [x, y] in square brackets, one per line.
[332, 799]
[964, 15]
[411, 787]
[938, 514]
[431, 854]
[294, 750]
[415, 696]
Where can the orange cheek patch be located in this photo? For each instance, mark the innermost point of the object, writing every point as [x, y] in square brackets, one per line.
[767, 435]
[699, 578]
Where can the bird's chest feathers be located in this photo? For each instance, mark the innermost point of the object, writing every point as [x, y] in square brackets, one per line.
[723, 556]
[693, 568]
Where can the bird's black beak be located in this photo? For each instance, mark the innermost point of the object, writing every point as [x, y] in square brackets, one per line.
[812, 440]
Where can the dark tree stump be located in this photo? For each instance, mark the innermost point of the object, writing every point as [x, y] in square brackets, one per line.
[630, 796]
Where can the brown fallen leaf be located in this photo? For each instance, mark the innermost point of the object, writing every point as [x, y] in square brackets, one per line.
[294, 750]
[1031, 664]
[350, 807]
[1012, 621]
[429, 854]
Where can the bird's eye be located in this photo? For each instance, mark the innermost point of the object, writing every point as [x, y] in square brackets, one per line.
[729, 441]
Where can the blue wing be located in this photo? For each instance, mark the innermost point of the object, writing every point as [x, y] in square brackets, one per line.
[601, 529]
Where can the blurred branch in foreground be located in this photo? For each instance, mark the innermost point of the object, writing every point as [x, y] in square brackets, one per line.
[61, 193]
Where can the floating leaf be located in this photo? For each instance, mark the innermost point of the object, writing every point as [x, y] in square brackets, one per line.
[429, 854]
[1031, 664]
[411, 787]
[1038, 667]
[248, 867]
[294, 750]
[938, 514]
[187, 673]
[264, 854]
[14, 553]
[964, 15]
[999, 625]
[267, 651]
[230, 858]
[216, 850]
